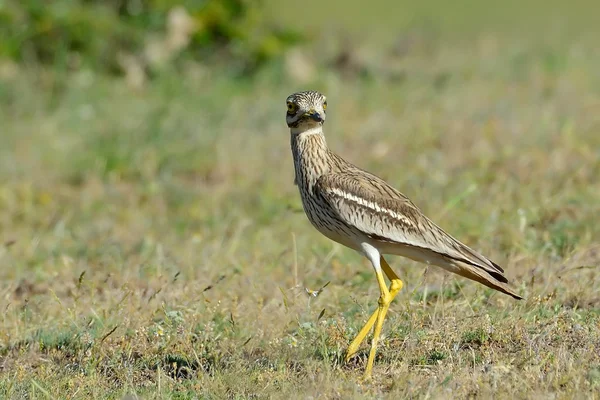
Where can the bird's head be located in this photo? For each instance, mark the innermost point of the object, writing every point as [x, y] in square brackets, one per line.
[306, 110]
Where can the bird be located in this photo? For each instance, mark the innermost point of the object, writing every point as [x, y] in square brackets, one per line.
[363, 212]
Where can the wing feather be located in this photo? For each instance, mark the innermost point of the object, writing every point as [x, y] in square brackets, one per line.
[381, 212]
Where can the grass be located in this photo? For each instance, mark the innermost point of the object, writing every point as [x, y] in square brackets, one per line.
[152, 243]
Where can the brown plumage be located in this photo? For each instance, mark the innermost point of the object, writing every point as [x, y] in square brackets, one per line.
[361, 211]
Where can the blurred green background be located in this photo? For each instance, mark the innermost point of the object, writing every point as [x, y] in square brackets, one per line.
[108, 36]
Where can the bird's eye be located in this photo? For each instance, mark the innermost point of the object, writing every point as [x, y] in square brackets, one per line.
[291, 107]
[324, 106]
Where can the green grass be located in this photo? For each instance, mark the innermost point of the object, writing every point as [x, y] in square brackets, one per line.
[152, 242]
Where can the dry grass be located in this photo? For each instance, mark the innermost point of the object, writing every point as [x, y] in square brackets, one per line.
[153, 244]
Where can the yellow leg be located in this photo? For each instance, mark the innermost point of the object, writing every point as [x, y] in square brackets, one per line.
[355, 344]
[378, 316]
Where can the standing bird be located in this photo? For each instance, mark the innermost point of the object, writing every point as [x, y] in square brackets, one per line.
[361, 211]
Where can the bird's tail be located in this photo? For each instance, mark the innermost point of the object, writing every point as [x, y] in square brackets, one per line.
[483, 277]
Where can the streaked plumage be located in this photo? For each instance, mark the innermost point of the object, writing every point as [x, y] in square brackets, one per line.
[361, 211]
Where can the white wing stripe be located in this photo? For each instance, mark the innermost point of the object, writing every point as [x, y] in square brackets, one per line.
[372, 205]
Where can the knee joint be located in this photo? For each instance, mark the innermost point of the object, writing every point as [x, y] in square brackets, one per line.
[396, 285]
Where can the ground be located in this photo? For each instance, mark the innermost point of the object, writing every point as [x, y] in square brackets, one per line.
[153, 245]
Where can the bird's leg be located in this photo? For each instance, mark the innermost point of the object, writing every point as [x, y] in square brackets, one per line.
[356, 342]
[395, 287]
[384, 304]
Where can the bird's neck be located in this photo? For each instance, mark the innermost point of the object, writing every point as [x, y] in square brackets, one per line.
[311, 156]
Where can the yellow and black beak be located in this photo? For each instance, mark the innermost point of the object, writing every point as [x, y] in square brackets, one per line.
[315, 116]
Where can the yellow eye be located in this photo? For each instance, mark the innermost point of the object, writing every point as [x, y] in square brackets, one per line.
[324, 106]
[291, 107]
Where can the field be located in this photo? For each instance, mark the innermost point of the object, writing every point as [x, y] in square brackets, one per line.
[153, 244]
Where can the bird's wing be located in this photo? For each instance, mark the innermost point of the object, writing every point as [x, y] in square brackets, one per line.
[367, 203]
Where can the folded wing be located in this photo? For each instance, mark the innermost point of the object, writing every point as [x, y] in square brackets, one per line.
[382, 213]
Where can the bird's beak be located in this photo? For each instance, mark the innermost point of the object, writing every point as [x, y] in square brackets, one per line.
[314, 115]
